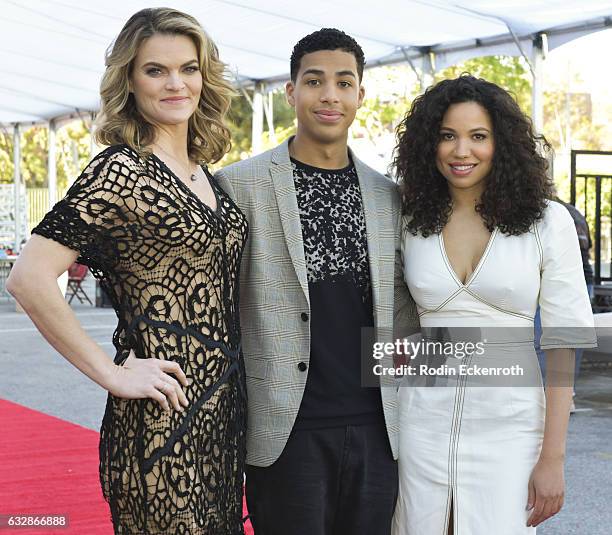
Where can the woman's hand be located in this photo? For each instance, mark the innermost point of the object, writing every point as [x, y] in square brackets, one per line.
[546, 490]
[149, 378]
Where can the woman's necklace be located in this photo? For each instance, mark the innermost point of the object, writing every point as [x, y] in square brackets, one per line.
[192, 175]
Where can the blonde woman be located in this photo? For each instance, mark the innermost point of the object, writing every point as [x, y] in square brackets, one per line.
[165, 242]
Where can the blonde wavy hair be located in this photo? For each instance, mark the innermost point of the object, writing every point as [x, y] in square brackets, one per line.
[120, 121]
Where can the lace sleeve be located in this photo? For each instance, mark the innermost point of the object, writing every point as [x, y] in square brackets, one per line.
[93, 218]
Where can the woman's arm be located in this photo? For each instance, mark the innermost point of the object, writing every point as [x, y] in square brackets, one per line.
[33, 283]
[547, 486]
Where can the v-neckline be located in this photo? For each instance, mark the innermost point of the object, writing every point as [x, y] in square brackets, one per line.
[215, 211]
[472, 275]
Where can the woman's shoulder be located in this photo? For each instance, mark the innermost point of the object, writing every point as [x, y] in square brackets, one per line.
[121, 153]
[555, 217]
[116, 161]
[556, 226]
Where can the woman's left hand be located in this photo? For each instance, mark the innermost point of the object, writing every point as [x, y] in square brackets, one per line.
[546, 490]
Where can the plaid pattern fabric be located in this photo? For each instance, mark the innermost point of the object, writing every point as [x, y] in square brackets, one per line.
[274, 292]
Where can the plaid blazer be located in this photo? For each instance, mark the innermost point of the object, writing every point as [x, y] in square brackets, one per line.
[274, 292]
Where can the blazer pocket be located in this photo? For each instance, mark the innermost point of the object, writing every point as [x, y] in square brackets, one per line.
[257, 368]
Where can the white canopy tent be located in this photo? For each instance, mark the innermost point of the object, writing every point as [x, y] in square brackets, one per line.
[52, 51]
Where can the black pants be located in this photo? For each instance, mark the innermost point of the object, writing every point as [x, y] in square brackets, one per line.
[333, 481]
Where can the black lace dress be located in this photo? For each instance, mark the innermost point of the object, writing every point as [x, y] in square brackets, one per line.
[170, 266]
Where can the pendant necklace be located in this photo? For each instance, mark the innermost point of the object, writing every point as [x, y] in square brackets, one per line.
[192, 176]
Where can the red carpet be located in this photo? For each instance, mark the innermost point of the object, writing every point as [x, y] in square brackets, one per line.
[50, 466]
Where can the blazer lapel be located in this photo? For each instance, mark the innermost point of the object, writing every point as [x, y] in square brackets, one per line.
[286, 198]
[367, 187]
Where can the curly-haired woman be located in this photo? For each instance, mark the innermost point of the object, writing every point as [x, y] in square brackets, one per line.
[482, 246]
[165, 243]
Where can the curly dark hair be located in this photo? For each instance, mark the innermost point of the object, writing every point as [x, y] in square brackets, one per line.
[326, 39]
[516, 188]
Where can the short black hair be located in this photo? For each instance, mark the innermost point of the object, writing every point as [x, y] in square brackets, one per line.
[326, 39]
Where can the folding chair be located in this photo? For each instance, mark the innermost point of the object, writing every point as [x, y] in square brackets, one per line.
[76, 276]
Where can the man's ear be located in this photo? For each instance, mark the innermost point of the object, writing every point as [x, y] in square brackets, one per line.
[361, 96]
[289, 88]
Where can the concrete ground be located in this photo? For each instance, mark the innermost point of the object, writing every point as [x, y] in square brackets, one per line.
[34, 375]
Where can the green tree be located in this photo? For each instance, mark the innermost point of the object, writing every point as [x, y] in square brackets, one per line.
[389, 93]
[240, 121]
[6, 157]
[568, 120]
[72, 153]
[569, 124]
[510, 72]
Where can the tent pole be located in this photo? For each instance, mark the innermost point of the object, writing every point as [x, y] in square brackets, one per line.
[52, 164]
[537, 93]
[269, 113]
[414, 69]
[17, 184]
[428, 68]
[258, 119]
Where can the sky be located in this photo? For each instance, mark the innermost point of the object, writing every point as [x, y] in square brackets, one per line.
[589, 57]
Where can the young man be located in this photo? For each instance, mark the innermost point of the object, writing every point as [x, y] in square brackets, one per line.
[318, 268]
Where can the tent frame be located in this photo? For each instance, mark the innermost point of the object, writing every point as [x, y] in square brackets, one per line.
[431, 58]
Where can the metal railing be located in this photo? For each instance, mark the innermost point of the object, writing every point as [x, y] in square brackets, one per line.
[38, 204]
[601, 184]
